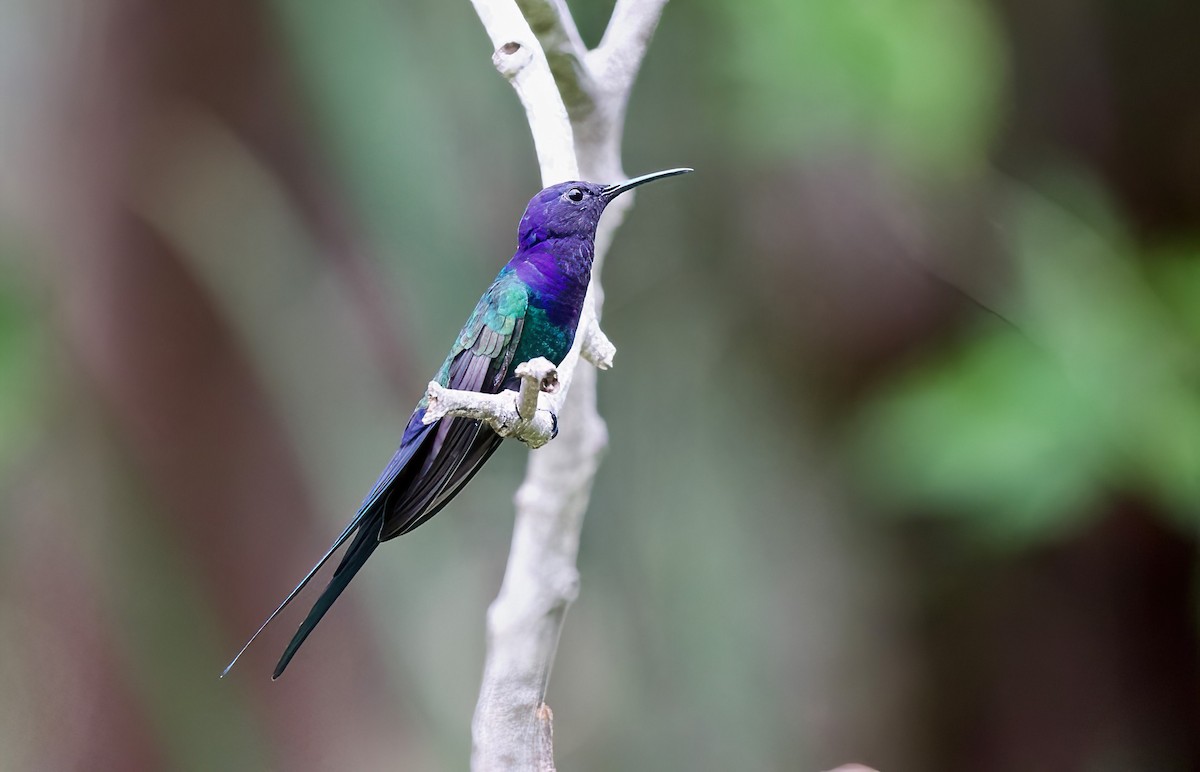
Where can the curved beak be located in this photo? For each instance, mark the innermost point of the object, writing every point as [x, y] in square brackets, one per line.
[612, 191]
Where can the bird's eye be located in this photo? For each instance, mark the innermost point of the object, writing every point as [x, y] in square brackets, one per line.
[575, 194]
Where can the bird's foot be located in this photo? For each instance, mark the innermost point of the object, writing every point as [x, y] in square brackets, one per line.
[539, 374]
[510, 414]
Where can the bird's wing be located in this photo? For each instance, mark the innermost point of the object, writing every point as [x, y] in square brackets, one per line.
[480, 361]
[494, 328]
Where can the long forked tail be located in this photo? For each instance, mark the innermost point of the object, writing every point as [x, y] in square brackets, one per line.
[354, 524]
[356, 556]
[365, 528]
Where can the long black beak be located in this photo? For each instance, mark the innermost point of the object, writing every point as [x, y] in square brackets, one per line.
[612, 191]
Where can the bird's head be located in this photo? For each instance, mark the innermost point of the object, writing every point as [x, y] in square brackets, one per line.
[573, 209]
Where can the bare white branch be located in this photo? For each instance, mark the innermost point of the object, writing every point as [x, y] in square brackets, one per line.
[617, 59]
[511, 729]
[520, 59]
[613, 66]
[551, 22]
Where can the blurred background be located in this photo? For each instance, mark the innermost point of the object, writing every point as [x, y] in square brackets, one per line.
[905, 422]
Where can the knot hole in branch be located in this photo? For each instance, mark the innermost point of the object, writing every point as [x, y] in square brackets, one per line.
[511, 58]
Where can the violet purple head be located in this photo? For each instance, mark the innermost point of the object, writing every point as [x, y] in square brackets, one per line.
[571, 210]
[563, 211]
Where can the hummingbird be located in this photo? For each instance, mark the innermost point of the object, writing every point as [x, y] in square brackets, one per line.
[531, 310]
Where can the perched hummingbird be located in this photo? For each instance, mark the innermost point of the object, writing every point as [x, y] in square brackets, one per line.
[531, 310]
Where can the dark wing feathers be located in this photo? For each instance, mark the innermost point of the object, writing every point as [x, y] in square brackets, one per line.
[433, 462]
[485, 351]
[504, 368]
[460, 445]
[412, 441]
[489, 343]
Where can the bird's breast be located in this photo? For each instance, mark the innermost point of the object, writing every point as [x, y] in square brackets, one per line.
[546, 333]
[557, 279]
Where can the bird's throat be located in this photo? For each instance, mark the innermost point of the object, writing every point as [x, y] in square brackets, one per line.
[557, 272]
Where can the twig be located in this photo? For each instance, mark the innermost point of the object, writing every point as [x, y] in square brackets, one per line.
[512, 414]
[618, 58]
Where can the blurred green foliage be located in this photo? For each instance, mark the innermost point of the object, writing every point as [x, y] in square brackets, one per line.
[23, 351]
[888, 74]
[1090, 392]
